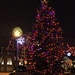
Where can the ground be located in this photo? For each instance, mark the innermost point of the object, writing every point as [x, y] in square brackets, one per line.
[4, 73]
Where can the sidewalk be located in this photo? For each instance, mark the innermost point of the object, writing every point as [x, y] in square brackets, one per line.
[4, 73]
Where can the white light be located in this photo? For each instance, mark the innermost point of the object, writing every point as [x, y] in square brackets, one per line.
[39, 48]
[21, 40]
[17, 33]
[68, 54]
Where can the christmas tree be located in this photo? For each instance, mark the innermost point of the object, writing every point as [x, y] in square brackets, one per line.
[46, 47]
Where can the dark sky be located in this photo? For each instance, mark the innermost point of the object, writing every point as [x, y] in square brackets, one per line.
[22, 13]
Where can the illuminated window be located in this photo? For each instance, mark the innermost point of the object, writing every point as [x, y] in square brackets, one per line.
[20, 63]
[2, 63]
[74, 65]
[9, 61]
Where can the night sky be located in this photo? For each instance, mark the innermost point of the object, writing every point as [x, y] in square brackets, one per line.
[22, 13]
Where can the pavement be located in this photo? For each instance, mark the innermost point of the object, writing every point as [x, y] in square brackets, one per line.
[4, 73]
[13, 73]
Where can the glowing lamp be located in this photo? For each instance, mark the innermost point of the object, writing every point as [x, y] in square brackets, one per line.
[69, 54]
[17, 32]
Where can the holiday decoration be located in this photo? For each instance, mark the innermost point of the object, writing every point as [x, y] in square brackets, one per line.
[69, 54]
[46, 47]
[70, 50]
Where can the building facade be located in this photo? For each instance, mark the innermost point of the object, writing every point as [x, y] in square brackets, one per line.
[8, 60]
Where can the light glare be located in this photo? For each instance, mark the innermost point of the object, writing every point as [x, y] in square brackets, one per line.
[68, 54]
[17, 32]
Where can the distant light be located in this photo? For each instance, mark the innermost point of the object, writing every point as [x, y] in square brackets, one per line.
[74, 65]
[38, 44]
[68, 54]
[74, 61]
[39, 48]
[46, 53]
[32, 46]
[42, 7]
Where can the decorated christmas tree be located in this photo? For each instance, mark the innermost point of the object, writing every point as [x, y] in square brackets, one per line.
[46, 47]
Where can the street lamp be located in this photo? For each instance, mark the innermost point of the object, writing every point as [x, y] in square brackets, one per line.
[17, 32]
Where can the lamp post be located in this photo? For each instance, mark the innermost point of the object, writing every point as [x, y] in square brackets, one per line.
[17, 32]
